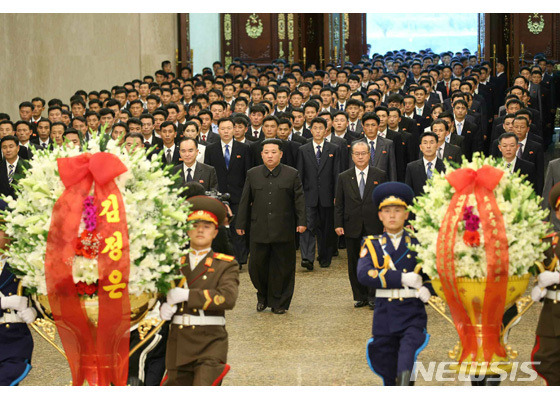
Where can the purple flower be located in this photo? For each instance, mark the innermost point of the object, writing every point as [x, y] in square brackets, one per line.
[472, 221]
[89, 214]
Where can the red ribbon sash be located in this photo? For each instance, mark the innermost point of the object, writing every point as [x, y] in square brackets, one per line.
[98, 355]
[488, 315]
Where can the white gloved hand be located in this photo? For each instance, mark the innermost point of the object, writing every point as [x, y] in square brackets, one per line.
[548, 278]
[28, 315]
[167, 311]
[538, 293]
[423, 294]
[18, 303]
[177, 295]
[411, 279]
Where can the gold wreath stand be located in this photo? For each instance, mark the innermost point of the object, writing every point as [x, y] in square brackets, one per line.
[471, 290]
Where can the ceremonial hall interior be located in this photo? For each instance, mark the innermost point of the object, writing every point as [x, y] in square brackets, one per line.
[322, 338]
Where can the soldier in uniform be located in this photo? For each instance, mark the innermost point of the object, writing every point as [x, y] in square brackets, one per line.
[547, 343]
[387, 264]
[16, 343]
[198, 341]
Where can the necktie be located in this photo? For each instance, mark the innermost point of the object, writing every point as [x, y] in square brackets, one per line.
[447, 138]
[44, 145]
[429, 171]
[447, 88]
[520, 151]
[147, 145]
[439, 153]
[509, 168]
[352, 126]
[318, 154]
[189, 176]
[226, 155]
[372, 156]
[204, 137]
[362, 186]
[256, 134]
[11, 173]
[341, 107]
[459, 128]
[168, 157]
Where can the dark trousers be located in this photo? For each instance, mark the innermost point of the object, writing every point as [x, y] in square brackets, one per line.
[320, 228]
[390, 355]
[203, 372]
[359, 291]
[240, 248]
[272, 268]
[146, 367]
[547, 353]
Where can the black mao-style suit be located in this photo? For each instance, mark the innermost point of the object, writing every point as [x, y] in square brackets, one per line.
[274, 203]
[384, 157]
[319, 183]
[416, 174]
[231, 180]
[358, 217]
[203, 174]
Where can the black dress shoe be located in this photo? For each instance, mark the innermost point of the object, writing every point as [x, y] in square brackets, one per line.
[261, 307]
[278, 311]
[307, 264]
[325, 265]
[371, 304]
[359, 304]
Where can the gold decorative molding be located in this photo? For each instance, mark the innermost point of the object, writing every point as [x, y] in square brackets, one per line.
[227, 27]
[281, 34]
[345, 33]
[254, 26]
[535, 23]
[291, 26]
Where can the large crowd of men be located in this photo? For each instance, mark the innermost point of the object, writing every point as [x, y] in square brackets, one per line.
[298, 151]
[412, 110]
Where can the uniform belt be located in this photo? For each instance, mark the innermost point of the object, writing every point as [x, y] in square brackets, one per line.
[10, 318]
[395, 293]
[553, 295]
[187, 319]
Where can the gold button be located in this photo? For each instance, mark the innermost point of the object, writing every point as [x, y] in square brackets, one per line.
[390, 299]
[408, 256]
[195, 310]
[7, 325]
[204, 277]
[400, 298]
[192, 326]
[9, 294]
[180, 326]
[404, 270]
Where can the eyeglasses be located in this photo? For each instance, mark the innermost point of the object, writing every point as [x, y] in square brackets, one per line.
[360, 154]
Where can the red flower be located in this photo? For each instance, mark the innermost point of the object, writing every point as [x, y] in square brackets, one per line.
[471, 238]
[91, 289]
[87, 245]
[81, 286]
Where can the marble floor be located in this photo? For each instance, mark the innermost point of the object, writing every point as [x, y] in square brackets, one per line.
[320, 341]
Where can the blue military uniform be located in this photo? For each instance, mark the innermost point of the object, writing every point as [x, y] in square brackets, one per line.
[16, 343]
[399, 325]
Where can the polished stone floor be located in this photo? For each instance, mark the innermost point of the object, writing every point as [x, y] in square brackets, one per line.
[320, 341]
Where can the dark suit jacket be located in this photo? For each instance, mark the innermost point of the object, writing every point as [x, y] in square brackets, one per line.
[274, 217]
[344, 151]
[472, 141]
[319, 181]
[452, 153]
[456, 140]
[5, 187]
[409, 125]
[203, 174]
[299, 139]
[352, 212]
[526, 168]
[27, 152]
[289, 152]
[232, 179]
[211, 137]
[175, 158]
[416, 174]
[406, 150]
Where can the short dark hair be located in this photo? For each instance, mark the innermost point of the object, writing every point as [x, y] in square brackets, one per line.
[225, 119]
[9, 137]
[507, 135]
[275, 141]
[166, 124]
[186, 139]
[318, 120]
[368, 116]
[441, 121]
[28, 124]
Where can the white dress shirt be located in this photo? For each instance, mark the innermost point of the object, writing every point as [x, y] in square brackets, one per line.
[172, 148]
[196, 256]
[230, 144]
[359, 176]
[511, 165]
[396, 238]
[426, 165]
[192, 170]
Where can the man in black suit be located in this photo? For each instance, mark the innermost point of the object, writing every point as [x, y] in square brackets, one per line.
[353, 217]
[257, 113]
[509, 146]
[191, 170]
[43, 138]
[445, 150]
[285, 131]
[405, 124]
[276, 214]
[340, 142]
[419, 171]
[232, 160]
[12, 166]
[24, 130]
[270, 131]
[401, 140]
[150, 139]
[473, 141]
[319, 166]
[382, 151]
[170, 152]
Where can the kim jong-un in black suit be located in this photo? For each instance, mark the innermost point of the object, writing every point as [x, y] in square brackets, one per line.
[274, 203]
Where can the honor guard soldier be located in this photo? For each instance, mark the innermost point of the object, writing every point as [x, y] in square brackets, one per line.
[546, 353]
[387, 264]
[16, 343]
[198, 341]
